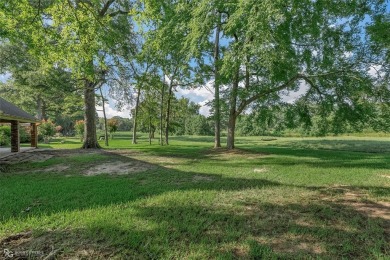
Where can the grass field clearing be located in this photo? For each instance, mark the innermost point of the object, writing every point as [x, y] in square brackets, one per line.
[287, 198]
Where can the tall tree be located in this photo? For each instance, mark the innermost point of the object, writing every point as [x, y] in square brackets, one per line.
[104, 116]
[164, 37]
[77, 35]
[38, 90]
[206, 23]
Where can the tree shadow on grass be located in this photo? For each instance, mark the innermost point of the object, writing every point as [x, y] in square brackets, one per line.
[46, 192]
[354, 145]
[171, 229]
[256, 230]
[322, 158]
[341, 144]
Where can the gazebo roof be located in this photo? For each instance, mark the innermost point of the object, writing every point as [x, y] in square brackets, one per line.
[9, 111]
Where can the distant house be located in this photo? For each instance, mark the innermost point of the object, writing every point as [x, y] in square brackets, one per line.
[9, 113]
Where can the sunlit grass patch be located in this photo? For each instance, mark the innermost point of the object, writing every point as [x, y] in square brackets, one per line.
[272, 200]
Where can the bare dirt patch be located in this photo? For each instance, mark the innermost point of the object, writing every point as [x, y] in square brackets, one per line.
[378, 209]
[23, 157]
[123, 152]
[16, 239]
[42, 155]
[57, 168]
[52, 245]
[118, 168]
[356, 199]
[260, 170]
[118, 162]
[291, 243]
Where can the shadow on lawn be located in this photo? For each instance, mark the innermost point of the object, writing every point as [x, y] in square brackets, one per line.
[46, 192]
[247, 230]
[323, 158]
[350, 145]
[49, 192]
[250, 231]
[354, 145]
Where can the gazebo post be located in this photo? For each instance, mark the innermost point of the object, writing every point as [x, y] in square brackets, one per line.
[34, 135]
[15, 139]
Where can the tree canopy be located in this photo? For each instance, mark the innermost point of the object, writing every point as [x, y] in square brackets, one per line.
[335, 54]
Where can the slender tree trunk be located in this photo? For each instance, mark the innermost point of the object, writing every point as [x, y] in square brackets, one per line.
[161, 115]
[39, 108]
[135, 116]
[231, 132]
[153, 131]
[90, 139]
[217, 112]
[44, 114]
[150, 130]
[168, 113]
[105, 118]
[233, 111]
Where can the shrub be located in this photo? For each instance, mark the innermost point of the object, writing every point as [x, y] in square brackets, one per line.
[24, 132]
[47, 129]
[112, 126]
[79, 128]
[5, 135]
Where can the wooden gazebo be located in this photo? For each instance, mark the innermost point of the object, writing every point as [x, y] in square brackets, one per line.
[9, 113]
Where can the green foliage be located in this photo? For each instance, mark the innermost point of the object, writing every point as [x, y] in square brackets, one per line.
[54, 49]
[272, 46]
[25, 134]
[5, 135]
[199, 125]
[123, 124]
[79, 128]
[307, 119]
[379, 32]
[47, 129]
[112, 125]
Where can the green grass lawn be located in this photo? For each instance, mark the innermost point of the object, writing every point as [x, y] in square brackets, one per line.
[294, 198]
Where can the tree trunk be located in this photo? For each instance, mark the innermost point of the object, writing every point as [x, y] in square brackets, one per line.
[150, 130]
[217, 112]
[90, 139]
[105, 119]
[231, 132]
[44, 114]
[233, 110]
[153, 131]
[39, 108]
[135, 116]
[168, 113]
[161, 114]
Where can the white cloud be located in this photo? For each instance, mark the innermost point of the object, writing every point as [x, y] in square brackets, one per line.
[4, 77]
[375, 71]
[348, 54]
[200, 96]
[204, 108]
[291, 96]
[196, 95]
[111, 112]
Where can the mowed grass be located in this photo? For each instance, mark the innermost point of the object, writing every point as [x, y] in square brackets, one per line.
[324, 198]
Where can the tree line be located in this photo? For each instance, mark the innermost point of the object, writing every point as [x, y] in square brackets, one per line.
[252, 54]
